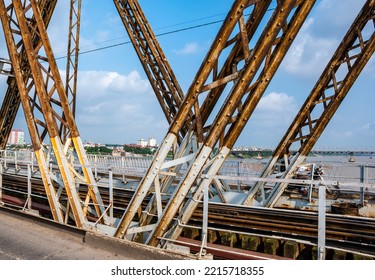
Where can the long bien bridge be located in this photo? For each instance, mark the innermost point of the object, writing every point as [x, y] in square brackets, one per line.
[190, 200]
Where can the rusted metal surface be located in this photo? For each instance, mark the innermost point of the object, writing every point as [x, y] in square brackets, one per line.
[179, 121]
[23, 94]
[229, 110]
[274, 59]
[225, 116]
[72, 59]
[350, 58]
[152, 57]
[49, 108]
[11, 102]
[227, 253]
[352, 232]
[240, 64]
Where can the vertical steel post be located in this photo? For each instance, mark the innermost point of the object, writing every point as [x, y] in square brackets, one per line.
[29, 199]
[111, 196]
[1, 183]
[322, 222]
[363, 179]
[239, 174]
[205, 218]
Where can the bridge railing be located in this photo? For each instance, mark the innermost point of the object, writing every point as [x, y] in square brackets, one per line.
[333, 170]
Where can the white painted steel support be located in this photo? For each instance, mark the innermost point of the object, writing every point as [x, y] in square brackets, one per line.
[29, 199]
[179, 195]
[111, 197]
[92, 187]
[278, 191]
[322, 222]
[204, 220]
[239, 174]
[145, 185]
[1, 183]
[95, 167]
[193, 202]
[363, 179]
[312, 168]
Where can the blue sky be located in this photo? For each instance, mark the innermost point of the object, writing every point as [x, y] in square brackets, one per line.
[116, 103]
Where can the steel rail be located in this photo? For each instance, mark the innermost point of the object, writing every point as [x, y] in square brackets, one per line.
[353, 233]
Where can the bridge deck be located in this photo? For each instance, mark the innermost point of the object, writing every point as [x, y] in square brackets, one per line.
[32, 238]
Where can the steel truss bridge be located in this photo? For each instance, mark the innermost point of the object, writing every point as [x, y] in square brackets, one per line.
[189, 190]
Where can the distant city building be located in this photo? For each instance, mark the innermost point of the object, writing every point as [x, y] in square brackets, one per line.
[143, 143]
[16, 137]
[152, 142]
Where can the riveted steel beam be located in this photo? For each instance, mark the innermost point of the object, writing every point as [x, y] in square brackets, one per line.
[195, 122]
[43, 94]
[328, 93]
[227, 74]
[72, 59]
[182, 115]
[289, 31]
[51, 108]
[227, 112]
[11, 102]
[152, 57]
[253, 59]
[19, 80]
[62, 100]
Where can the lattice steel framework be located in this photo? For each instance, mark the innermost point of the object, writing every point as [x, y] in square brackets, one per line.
[334, 84]
[72, 58]
[11, 102]
[243, 63]
[152, 57]
[46, 108]
[204, 124]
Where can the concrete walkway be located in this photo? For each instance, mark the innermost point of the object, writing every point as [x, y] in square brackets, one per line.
[29, 238]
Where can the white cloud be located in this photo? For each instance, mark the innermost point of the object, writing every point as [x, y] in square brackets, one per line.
[274, 110]
[116, 108]
[320, 36]
[309, 54]
[101, 83]
[189, 48]
[367, 128]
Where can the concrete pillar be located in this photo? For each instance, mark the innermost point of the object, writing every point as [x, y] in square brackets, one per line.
[291, 249]
[271, 246]
[339, 255]
[250, 242]
[228, 239]
[314, 254]
[211, 236]
[360, 257]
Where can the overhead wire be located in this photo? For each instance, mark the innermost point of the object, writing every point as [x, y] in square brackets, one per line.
[157, 35]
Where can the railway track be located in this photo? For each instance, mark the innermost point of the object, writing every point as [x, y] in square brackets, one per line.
[350, 233]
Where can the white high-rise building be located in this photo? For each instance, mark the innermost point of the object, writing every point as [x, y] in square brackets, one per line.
[152, 142]
[143, 143]
[16, 137]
